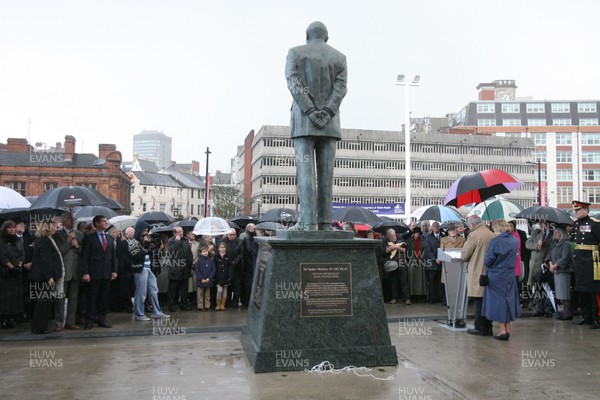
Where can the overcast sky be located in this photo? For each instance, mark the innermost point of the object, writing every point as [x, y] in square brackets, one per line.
[206, 73]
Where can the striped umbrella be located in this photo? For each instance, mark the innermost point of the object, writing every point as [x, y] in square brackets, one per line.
[475, 188]
[497, 208]
[436, 213]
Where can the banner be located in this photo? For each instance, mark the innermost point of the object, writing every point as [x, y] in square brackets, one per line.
[543, 190]
[377, 208]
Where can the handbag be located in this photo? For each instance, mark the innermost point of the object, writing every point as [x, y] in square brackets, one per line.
[390, 266]
[484, 280]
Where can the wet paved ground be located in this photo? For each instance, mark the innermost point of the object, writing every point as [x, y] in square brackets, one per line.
[198, 356]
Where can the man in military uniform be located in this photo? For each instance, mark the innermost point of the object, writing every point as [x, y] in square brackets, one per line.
[586, 260]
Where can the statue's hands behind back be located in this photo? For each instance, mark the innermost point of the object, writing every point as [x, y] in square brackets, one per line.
[320, 118]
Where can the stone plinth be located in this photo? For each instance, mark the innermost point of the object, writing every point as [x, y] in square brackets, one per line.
[316, 298]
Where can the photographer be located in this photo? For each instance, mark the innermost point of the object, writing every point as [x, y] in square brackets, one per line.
[395, 273]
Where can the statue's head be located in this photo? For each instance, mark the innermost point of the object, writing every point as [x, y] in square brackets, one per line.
[317, 30]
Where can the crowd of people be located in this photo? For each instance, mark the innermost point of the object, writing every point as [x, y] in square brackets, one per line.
[70, 278]
[62, 277]
[554, 270]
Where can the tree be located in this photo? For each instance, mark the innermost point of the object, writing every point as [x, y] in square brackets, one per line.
[226, 198]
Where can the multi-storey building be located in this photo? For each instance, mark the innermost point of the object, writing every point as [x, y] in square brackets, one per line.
[153, 146]
[169, 190]
[369, 167]
[565, 133]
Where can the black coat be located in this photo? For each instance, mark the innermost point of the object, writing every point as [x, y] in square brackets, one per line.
[96, 262]
[180, 259]
[224, 269]
[11, 286]
[46, 261]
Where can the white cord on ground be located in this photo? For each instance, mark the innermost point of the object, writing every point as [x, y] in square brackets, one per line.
[326, 366]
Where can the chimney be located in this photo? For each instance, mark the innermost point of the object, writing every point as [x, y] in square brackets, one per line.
[105, 149]
[17, 145]
[195, 168]
[69, 147]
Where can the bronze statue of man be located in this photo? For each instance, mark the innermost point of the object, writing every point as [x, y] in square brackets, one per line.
[316, 77]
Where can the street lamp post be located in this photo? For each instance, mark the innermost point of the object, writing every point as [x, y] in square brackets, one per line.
[207, 152]
[539, 167]
[401, 82]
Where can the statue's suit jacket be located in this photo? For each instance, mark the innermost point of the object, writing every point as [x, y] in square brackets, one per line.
[316, 77]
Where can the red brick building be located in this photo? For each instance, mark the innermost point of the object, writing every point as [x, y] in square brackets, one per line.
[32, 171]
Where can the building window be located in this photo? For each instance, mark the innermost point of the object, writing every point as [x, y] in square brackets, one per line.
[511, 122]
[163, 190]
[539, 156]
[561, 121]
[162, 207]
[592, 157]
[143, 207]
[588, 121]
[590, 138]
[50, 185]
[144, 190]
[593, 194]
[564, 175]
[563, 138]
[561, 107]
[486, 122]
[19, 187]
[539, 139]
[586, 107]
[564, 194]
[486, 108]
[591, 174]
[535, 108]
[564, 157]
[132, 189]
[536, 122]
[88, 185]
[510, 108]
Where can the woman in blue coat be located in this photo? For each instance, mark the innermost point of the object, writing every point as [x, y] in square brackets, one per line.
[501, 297]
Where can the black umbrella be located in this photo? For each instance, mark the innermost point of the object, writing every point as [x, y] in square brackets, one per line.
[356, 214]
[234, 225]
[184, 223]
[398, 226]
[244, 220]
[160, 228]
[546, 214]
[154, 217]
[28, 215]
[71, 196]
[285, 216]
[92, 211]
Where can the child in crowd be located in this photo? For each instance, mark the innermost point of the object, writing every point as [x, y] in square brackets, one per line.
[223, 275]
[205, 274]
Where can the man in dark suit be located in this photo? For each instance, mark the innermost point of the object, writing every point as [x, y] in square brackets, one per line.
[316, 77]
[99, 267]
[180, 266]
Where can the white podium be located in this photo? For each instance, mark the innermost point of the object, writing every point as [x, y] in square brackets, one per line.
[455, 279]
